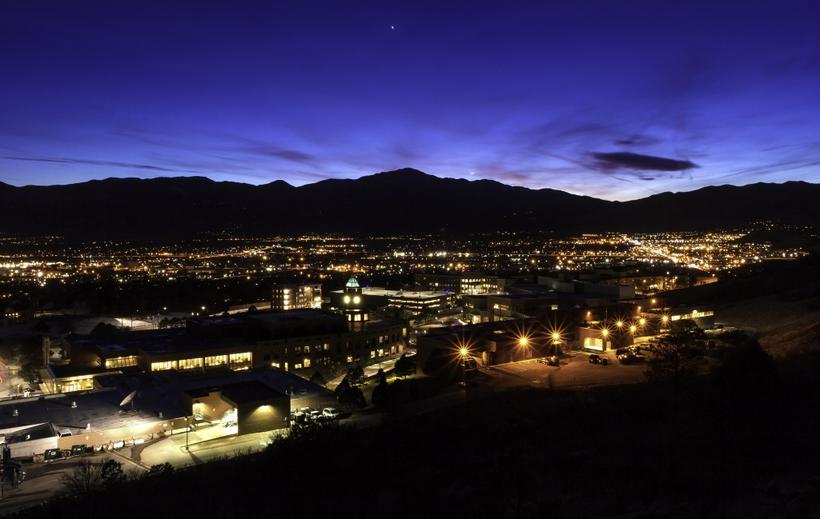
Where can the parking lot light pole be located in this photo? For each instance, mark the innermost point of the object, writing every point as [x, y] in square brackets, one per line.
[556, 341]
[463, 352]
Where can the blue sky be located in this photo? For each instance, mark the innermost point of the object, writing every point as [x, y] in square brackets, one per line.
[616, 100]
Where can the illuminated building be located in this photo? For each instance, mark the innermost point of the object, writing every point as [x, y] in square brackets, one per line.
[230, 403]
[353, 306]
[413, 302]
[468, 283]
[289, 340]
[294, 297]
[488, 344]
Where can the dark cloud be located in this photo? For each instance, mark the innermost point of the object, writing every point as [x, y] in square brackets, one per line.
[635, 161]
[637, 139]
[108, 163]
[291, 155]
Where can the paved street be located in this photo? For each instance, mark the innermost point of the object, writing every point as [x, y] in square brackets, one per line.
[45, 480]
[575, 372]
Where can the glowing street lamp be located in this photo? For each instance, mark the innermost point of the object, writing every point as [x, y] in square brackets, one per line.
[642, 321]
[619, 323]
[556, 340]
[463, 355]
[633, 329]
[524, 341]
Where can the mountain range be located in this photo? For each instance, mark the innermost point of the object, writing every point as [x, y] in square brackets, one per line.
[393, 202]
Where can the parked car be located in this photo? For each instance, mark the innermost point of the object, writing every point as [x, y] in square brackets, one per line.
[598, 359]
[331, 412]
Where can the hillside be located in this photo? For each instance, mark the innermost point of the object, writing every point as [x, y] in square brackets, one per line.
[402, 201]
[779, 302]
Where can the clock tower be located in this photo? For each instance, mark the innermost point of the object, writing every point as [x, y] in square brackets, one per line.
[352, 304]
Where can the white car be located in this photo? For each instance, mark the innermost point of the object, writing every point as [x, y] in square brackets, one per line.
[331, 412]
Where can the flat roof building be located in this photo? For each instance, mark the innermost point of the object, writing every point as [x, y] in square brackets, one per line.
[296, 296]
[414, 302]
[292, 340]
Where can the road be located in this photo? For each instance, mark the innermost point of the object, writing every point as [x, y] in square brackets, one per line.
[45, 480]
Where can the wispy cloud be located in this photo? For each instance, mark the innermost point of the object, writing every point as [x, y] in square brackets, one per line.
[106, 163]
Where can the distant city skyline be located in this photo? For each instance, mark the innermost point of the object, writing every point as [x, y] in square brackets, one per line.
[613, 101]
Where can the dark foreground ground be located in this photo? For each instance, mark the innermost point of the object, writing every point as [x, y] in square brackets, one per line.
[739, 443]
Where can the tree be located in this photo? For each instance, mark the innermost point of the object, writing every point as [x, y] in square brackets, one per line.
[41, 326]
[672, 359]
[349, 394]
[355, 374]
[160, 469]
[318, 378]
[111, 472]
[381, 395]
[93, 477]
[406, 365]
[103, 328]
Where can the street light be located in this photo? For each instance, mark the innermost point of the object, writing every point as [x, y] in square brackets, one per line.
[619, 323]
[556, 340]
[463, 353]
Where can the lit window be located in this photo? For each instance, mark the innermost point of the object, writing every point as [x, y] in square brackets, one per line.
[121, 362]
[190, 363]
[164, 366]
[240, 360]
[216, 360]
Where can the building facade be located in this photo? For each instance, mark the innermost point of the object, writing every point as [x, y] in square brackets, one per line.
[294, 297]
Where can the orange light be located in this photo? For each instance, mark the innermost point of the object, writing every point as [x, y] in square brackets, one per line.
[524, 341]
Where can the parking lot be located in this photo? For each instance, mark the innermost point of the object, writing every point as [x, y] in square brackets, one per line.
[575, 372]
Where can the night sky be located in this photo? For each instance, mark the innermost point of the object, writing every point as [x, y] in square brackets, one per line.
[612, 99]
